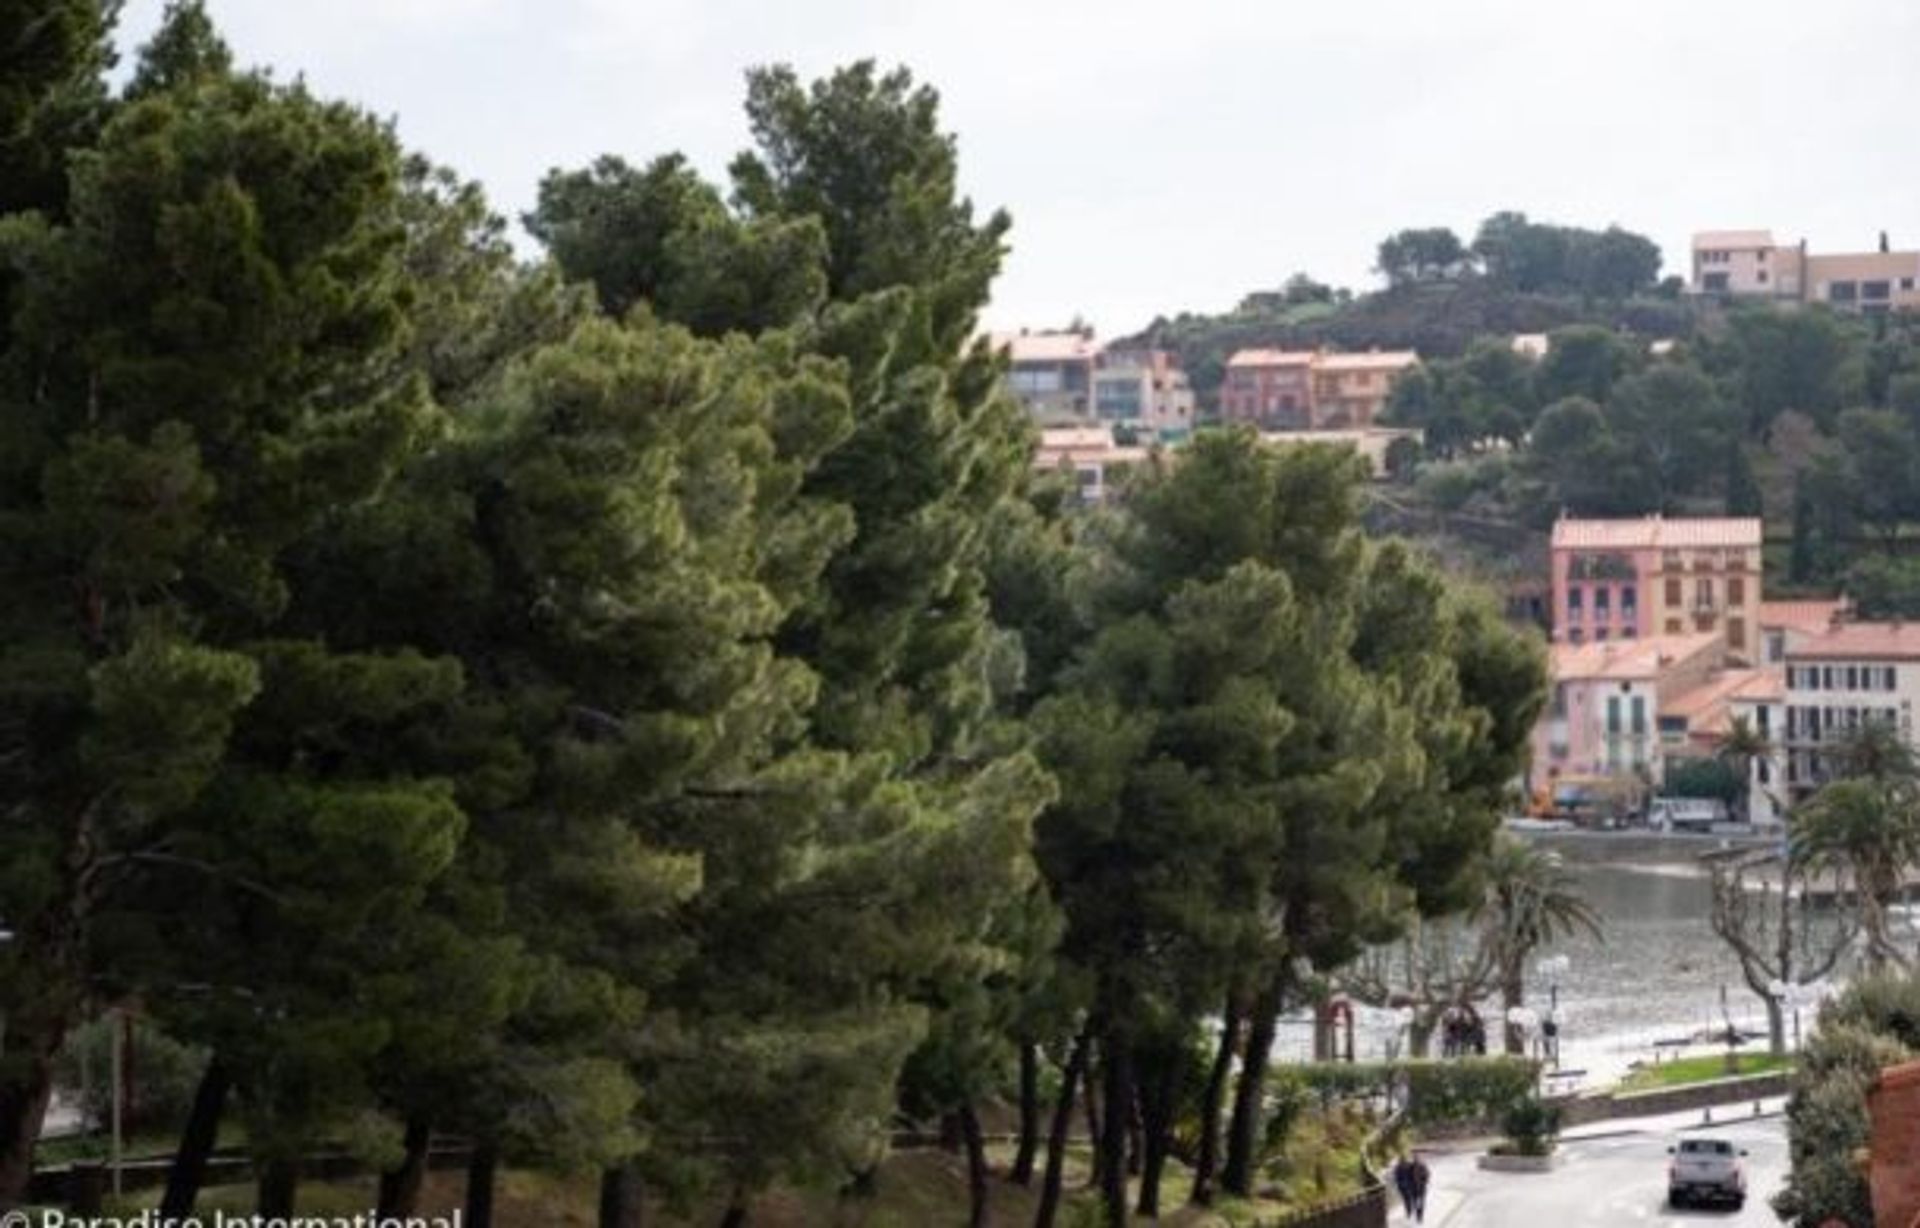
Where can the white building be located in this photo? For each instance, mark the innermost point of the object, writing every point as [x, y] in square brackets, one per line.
[1836, 681]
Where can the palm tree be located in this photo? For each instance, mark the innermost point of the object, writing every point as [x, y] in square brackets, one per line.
[1738, 750]
[1866, 823]
[1531, 900]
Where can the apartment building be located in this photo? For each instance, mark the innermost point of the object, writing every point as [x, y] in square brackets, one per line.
[1144, 390]
[1292, 390]
[1785, 625]
[1069, 378]
[1749, 264]
[1836, 681]
[1603, 716]
[1097, 463]
[1051, 373]
[1634, 578]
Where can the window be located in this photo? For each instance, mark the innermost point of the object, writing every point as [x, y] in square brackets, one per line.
[1714, 283]
[1853, 678]
[1906, 284]
[1761, 255]
[1763, 720]
[1890, 678]
[1736, 590]
[1737, 634]
[1639, 715]
[1876, 291]
[1761, 277]
[1576, 599]
[1576, 636]
[1613, 714]
[1843, 292]
[1629, 599]
[1602, 603]
[1673, 590]
[1703, 593]
[1673, 728]
[1673, 626]
[1826, 677]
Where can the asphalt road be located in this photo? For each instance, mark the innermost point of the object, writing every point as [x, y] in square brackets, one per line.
[1603, 1183]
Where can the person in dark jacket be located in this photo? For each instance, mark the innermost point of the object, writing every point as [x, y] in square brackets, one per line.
[1418, 1174]
[1403, 1182]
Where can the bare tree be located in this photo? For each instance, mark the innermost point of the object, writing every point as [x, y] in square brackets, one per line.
[1436, 968]
[1771, 928]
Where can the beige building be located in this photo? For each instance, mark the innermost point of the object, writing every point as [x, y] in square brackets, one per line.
[1144, 390]
[1750, 264]
[1097, 464]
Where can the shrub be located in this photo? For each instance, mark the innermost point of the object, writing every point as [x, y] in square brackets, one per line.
[1530, 1126]
[1437, 1093]
[165, 1075]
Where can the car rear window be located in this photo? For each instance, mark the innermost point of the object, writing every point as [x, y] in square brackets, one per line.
[1706, 1147]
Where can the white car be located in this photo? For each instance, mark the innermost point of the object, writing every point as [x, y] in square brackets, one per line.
[1706, 1170]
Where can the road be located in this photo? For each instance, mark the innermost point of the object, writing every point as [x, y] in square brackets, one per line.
[1604, 1182]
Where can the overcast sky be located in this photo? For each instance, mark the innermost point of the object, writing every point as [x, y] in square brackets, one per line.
[1171, 155]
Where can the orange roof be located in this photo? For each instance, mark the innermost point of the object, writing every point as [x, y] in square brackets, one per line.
[1812, 617]
[1656, 532]
[1705, 707]
[1863, 642]
[1628, 660]
[1272, 358]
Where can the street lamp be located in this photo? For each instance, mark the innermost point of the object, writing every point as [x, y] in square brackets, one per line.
[1553, 968]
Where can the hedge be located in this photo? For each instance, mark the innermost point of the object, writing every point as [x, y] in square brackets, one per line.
[1437, 1092]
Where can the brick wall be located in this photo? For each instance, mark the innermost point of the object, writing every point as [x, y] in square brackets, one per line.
[1894, 1104]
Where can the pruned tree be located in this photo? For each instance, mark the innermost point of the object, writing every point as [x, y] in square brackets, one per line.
[1771, 928]
[1437, 968]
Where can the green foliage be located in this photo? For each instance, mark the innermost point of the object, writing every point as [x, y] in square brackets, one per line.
[164, 1075]
[1536, 257]
[1870, 1027]
[1530, 1126]
[1476, 1089]
[1433, 254]
[1709, 778]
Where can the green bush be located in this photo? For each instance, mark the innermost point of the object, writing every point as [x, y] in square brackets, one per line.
[1530, 1126]
[165, 1075]
[1437, 1093]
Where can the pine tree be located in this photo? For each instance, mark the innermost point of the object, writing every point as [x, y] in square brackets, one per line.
[195, 383]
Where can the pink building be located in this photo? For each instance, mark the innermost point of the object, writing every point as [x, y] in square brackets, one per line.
[1633, 578]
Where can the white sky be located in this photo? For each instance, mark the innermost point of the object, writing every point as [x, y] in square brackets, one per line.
[1168, 155]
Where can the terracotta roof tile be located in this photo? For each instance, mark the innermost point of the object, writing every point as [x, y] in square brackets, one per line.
[1862, 642]
[1812, 617]
[1625, 660]
[1656, 532]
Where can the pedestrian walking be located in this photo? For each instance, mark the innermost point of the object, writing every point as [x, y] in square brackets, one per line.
[1403, 1182]
[1418, 1174]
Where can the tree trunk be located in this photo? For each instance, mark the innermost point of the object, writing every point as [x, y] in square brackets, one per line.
[1216, 1093]
[1249, 1100]
[1022, 1171]
[1776, 1026]
[197, 1141]
[1157, 1093]
[481, 1169]
[1117, 1075]
[1420, 1035]
[1057, 1135]
[978, 1195]
[620, 1198]
[400, 1187]
[24, 1094]
[736, 1216]
[279, 1186]
[1513, 994]
[1094, 1132]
